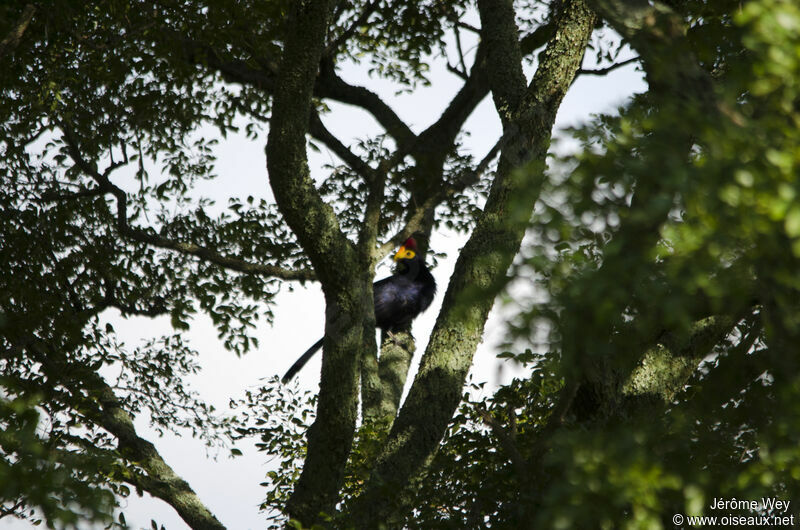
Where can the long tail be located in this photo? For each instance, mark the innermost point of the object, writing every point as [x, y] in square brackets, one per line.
[301, 362]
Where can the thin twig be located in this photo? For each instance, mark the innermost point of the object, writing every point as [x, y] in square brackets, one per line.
[460, 51]
[608, 69]
[357, 23]
[52, 196]
[458, 72]
[151, 238]
[318, 130]
[415, 220]
[470, 27]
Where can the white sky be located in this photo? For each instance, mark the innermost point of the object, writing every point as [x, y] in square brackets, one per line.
[230, 487]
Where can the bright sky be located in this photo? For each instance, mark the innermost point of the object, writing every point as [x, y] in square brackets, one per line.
[230, 487]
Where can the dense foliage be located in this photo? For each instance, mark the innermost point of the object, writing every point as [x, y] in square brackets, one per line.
[658, 323]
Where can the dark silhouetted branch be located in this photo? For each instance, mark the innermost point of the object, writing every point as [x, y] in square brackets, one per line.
[11, 41]
[151, 238]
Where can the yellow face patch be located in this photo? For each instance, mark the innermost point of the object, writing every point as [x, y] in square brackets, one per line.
[404, 253]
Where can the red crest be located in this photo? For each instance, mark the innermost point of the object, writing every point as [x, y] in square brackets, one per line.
[410, 244]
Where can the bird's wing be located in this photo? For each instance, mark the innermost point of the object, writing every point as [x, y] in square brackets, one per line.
[395, 302]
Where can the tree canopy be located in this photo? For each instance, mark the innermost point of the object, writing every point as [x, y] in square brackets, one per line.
[660, 258]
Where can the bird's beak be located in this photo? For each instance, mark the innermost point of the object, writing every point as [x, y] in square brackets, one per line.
[400, 252]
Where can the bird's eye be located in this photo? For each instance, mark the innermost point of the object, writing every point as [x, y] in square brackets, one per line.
[409, 254]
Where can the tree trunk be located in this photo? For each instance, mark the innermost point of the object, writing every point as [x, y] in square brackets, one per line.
[528, 116]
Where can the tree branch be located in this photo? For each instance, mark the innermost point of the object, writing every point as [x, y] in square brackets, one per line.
[160, 480]
[346, 34]
[342, 274]
[16, 510]
[433, 144]
[608, 69]
[460, 73]
[235, 71]
[435, 141]
[53, 196]
[151, 238]
[318, 130]
[460, 50]
[484, 261]
[105, 409]
[538, 38]
[659, 35]
[419, 212]
[329, 85]
[12, 40]
[467, 26]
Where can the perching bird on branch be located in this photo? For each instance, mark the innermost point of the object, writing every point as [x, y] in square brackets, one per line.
[398, 298]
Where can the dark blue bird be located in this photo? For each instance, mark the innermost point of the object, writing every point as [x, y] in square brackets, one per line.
[398, 299]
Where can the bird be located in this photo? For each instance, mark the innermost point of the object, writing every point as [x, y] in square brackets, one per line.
[398, 299]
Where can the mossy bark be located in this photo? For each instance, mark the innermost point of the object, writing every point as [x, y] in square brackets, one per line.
[345, 280]
[613, 385]
[528, 114]
[143, 464]
[665, 368]
[611, 390]
[160, 479]
[390, 373]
